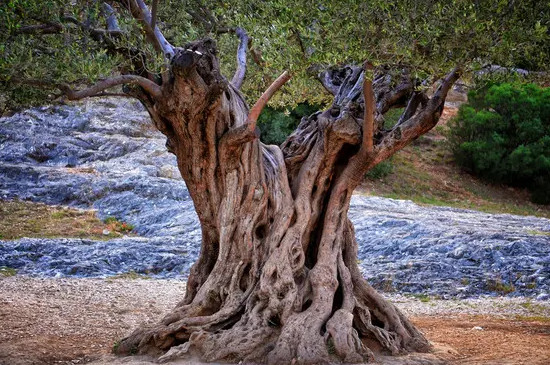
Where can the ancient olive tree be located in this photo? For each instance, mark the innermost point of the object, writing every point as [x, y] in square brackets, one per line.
[277, 279]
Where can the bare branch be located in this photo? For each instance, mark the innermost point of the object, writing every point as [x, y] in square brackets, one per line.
[240, 73]
[148, 85]
[47, 28]
[110, 15]
[368, 117]
[255, 111]
[406, 131]
[140, 11]
[96, 33]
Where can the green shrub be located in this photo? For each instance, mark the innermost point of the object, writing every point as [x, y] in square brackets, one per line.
[277, 124]
[503, 135]
[381, 170]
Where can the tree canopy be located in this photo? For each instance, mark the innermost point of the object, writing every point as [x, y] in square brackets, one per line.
[44, 43]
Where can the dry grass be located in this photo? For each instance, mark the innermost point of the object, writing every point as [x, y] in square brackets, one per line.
[27, 219]
[425, 173]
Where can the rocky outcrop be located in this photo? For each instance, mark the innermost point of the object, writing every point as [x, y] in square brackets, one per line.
[105, 155]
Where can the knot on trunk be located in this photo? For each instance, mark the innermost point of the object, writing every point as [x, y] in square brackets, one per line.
[199, 56]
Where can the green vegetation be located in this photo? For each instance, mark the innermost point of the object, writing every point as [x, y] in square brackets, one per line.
[498, 286]
[131, 275]
[45, 43]
[115, 225]
[503, 136]
[26, 219]
[7, 271]
[381, 170]
[277, 124]
[426, 173]
[424, 298]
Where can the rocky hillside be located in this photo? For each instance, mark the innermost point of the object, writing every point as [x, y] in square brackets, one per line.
[104, 155]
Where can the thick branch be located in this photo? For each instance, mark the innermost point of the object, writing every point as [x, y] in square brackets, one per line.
[368, 118]
[148, 85]
[419, 97]
[262, 101]
[238, 77]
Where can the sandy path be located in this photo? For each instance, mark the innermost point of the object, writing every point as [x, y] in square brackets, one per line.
[74, 321]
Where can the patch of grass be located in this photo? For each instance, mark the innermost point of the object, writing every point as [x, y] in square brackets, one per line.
[425, 172]
[35, 220]
[535, 232]
[131, 275]
[424, 298]
[544, 319]
[380, 171]
[7, 271]
[497, 285]
[115, 225]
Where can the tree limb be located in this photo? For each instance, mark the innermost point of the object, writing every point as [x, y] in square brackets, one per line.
[368, 117]
[96, 33]
[154, 13]
[240, 73]
[255, 111]
[408, 130]
[110, 16]
[140, 12]
[47, 28]
[148, 85]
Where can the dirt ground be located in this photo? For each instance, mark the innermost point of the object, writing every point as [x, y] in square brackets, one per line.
[77, 321]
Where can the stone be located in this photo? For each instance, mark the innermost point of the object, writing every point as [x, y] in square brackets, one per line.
[106, 155]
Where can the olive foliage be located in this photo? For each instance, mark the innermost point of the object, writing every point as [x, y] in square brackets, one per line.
[43, 43]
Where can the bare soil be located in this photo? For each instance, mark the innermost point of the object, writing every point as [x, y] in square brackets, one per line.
[76, 321]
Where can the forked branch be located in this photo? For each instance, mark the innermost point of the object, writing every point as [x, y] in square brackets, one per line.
[255, 111]
[140, 12]
[407, 130]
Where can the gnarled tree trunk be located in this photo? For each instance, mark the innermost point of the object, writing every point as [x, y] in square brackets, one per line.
[277, 279]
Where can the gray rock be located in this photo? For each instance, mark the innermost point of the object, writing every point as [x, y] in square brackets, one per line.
[105, 154]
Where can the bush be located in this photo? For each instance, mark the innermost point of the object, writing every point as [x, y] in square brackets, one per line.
[503, 135]
[277, 124]
[380, 171]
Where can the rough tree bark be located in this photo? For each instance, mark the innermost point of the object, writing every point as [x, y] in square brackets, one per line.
[277, 279]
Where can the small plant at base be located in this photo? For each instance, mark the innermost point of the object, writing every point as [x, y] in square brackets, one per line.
[115, 346]
[497, 285]
[424, 298]
[117, 226]
[7, 271]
